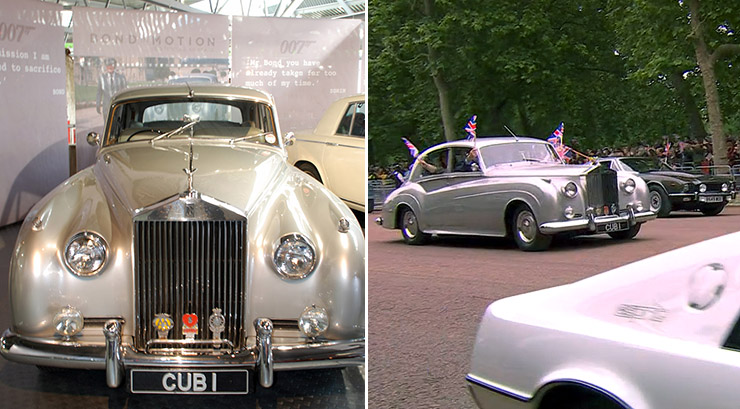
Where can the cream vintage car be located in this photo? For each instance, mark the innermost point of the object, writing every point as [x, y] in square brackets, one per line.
[191, 257]
[334, 152]
[659, 333]
[513, 186]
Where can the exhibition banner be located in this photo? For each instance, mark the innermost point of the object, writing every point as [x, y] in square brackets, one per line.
[32, 85]
[120, 49]
[305, 64]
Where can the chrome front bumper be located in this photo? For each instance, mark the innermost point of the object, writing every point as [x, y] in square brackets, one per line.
[592, 222]
[114, 357]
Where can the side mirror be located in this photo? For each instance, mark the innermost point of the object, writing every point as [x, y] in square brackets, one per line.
[93, 138]
[289, 139]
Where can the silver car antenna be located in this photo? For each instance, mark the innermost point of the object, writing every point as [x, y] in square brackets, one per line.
[512, 133]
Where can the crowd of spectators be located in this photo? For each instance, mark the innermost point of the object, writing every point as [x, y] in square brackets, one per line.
[690, 153]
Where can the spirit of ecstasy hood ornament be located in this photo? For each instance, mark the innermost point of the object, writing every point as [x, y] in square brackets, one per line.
[190, 193]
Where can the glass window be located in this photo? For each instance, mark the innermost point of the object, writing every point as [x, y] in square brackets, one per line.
[358, 123]
[465, 160]
[435, 163]
[346, 122]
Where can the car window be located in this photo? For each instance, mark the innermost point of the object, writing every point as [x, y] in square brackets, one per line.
[465, 160]
[346, 122]
[358, 123]
[518, 152]
[435, 163]
[218, 118]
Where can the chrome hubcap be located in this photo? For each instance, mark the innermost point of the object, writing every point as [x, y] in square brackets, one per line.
[526, 226]
[655, 201]
[410, 227]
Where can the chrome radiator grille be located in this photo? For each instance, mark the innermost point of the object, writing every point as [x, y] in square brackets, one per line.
[189, 267]
[601, 186]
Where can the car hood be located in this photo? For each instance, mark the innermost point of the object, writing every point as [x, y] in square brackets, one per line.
[538, 169]
[140, 175]
[683, 176]
[688, 294]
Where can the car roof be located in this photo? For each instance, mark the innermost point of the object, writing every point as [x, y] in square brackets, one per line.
[182, 90]
[483, 141]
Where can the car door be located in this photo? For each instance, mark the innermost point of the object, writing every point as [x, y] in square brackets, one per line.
[344, 156]
[432, 174]
[464, 195]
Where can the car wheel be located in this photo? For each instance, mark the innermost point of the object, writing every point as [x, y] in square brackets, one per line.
[310, 170]
[410, 228]
[626, 234]
[712, 209]
[526, 231]
[659, 201]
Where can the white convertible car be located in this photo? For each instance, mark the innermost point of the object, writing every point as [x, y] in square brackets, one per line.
[661, 333]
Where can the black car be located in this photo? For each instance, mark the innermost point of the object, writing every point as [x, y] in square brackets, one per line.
[671, 189]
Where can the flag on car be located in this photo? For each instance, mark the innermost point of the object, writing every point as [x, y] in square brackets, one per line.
[556, 138]
[412, 149]
[470, 127]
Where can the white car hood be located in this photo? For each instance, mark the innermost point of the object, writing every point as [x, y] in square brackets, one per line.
[651, 296]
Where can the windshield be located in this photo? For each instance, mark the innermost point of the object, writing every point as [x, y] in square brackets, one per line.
[217, 118]
[644, 164]
[518, 152]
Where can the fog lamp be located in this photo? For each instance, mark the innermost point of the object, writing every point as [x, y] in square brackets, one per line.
[68, 322]
[314, 321]
[702, 188]
[638, 206]
[725, 187]
[569, 213]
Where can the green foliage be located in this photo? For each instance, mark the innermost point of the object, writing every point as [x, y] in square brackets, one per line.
[601, 66]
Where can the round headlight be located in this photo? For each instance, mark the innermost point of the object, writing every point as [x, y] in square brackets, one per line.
[68, 322]
[314, 321]
[294, 257]
[629, 186]
[725, 187]
[86, 253]
[570, 190]
[702, 188]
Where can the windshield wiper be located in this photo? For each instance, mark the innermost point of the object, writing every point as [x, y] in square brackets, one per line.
[191, 121]
[531, 160]
[248, 137]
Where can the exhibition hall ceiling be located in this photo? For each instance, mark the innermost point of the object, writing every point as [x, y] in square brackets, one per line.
[263, 8]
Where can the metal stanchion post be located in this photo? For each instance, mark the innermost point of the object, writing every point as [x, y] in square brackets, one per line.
[72, 143]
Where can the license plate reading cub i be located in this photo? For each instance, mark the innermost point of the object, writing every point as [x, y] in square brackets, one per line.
[613, 226]
[167, 381]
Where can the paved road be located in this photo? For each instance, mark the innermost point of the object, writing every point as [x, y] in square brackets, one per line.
[425, 302]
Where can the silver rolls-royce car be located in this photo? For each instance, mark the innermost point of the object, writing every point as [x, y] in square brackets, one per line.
[513, 186]
[660, 333]
[191, 257]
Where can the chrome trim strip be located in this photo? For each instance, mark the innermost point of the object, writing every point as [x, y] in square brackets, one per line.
[322, 354]
[559, 227]
[495, 388]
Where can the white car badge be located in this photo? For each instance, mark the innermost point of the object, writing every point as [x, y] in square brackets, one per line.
[189, 326]
[217, 323]
[163, 323]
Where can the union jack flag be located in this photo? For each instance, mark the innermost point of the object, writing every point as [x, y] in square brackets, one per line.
[412, 149]
[470, 127]
[556, 138]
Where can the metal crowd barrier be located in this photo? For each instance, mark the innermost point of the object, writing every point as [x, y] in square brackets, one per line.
[378, 190]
